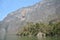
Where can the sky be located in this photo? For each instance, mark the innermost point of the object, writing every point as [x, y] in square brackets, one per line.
[7, 6]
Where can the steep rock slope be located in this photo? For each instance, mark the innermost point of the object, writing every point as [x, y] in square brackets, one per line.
[43, 11]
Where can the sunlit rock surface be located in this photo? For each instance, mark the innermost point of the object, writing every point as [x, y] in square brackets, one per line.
[43, 11]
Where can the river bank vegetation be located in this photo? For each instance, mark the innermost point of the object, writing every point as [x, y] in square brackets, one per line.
[32, 29]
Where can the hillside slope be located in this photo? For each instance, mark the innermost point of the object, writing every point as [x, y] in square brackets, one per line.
[43, 11]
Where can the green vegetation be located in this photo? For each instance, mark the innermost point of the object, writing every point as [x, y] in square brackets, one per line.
[32, 29]
[27, 38]
[34, 38]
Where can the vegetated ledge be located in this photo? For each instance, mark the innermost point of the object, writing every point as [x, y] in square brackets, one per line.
[40, 29]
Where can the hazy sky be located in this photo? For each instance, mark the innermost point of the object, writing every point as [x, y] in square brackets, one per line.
[7, 6]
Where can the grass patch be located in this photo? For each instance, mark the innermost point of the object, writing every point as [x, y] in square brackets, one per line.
[27, 38]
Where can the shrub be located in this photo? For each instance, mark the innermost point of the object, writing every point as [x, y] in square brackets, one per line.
[33, 28]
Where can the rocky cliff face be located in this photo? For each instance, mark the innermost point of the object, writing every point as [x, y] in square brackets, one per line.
[43, 11]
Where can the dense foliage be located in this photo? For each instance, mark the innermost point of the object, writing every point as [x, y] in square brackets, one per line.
[32, 29]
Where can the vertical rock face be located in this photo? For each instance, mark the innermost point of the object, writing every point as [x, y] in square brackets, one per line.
[2, 33]
[43, 11]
